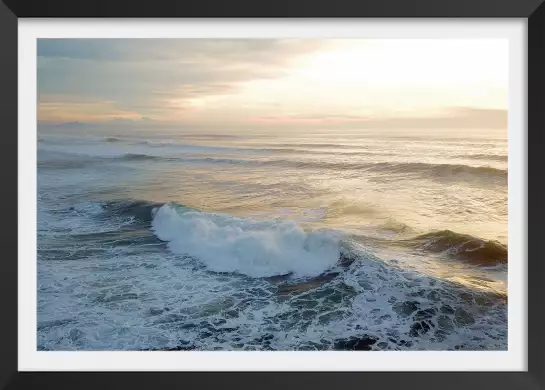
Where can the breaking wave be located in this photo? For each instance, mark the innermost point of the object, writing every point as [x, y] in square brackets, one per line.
[212, 281]
[245, 246]
[261, 248]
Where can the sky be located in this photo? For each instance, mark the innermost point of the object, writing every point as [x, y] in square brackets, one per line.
[287, 83]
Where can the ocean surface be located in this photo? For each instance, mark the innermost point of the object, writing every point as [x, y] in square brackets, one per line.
[352, 239]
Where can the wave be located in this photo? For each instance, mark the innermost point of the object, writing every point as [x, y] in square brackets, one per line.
[323, 152]
[463, 247]
[441, 169]
[493, 157]
[139, 210]
[211, 135]
[361, 151]
[321, 146]
[61, 164]
[341, 291]
[395, 226]
[277, 247]
[137, 157]
[434, 170]
[212, 160]
[253, 248]
[294, 149]
[344, 207]
[112, 139]
[155, 143]
[190, 154]
[173, 149]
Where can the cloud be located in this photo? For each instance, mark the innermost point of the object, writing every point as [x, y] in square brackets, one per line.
[226, 51]
[254, 82]
[154, 77]
[60, 108]
[450, 118]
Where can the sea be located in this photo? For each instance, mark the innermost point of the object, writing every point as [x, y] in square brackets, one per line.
[359, 239]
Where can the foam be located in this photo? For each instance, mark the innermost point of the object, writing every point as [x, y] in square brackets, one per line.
[105, 282]
[123, 297]
[245, 246]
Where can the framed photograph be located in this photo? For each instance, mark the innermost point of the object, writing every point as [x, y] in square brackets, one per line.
[325, 194]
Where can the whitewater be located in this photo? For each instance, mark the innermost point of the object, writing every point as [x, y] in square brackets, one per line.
[365, 240]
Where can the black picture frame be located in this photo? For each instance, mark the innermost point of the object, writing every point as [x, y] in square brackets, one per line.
[532, 10]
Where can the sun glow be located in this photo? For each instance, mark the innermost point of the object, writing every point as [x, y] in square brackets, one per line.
[334, 82]
[384, 78]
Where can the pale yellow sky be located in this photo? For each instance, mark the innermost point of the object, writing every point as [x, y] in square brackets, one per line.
[323, 83]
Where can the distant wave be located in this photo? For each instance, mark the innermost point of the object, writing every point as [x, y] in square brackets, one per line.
[112, 139]
[441, 169]
[395, 226]
[155, 143]
[212, 160]
[293, 149]
[411, 167]
[203, 135]
[61, 164]
[463, 246]
[358, 151]
[454, 171]
[137, 156]
[434, 170]
[321, 146]
[492, 157]
[350, 207]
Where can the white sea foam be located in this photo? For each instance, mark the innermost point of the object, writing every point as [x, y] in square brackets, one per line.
[98, 290]
[253, 248]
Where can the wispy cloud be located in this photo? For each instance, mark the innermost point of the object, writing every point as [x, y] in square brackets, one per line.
[451, 118]
[149, 75]
[247, 82]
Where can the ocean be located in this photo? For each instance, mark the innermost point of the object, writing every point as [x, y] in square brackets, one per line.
[386, 239]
